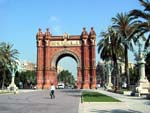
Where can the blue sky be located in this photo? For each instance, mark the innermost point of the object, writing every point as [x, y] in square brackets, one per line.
[20, 20]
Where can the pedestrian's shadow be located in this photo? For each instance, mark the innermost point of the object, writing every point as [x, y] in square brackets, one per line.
[47, 98]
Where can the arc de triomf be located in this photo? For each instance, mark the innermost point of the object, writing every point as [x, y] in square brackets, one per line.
[50, 49]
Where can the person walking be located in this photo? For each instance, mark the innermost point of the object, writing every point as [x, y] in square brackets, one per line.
[52, 91]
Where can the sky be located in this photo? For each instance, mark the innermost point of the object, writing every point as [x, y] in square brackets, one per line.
[20, 20]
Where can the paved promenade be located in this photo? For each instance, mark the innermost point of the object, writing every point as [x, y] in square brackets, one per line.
[128, 105]
[66, 101]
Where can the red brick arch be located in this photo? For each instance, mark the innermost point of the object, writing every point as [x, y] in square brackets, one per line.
[50, 49]
[63, 53]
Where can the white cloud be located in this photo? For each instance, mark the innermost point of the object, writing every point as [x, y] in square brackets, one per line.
[55, 25]
[57, 29]
[54, 19]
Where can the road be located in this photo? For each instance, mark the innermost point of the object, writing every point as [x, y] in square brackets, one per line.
[66, 101]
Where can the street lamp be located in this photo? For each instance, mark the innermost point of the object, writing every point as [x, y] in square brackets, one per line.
[13, 68]
[143, 84]
[109, 69]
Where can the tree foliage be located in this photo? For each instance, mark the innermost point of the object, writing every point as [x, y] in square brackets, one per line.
[27, 78]
[126, 27]
[110, 48]
[66, 77]
[134, 74]
[144, 15]
[129, 28]
[8, 55]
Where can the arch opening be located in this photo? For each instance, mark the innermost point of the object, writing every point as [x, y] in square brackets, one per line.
[61, 54]
[67, 72]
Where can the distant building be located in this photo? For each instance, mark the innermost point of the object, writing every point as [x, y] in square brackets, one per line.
[27, 66]
[131, 65]
[59, 69]
[122, 66]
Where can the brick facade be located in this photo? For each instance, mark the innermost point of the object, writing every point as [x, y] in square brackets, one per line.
[50, 49]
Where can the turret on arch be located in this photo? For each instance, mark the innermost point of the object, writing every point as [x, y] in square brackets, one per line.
[50, 49]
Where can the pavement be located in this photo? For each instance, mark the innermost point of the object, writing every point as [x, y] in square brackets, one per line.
[128, 104]
[35, 101]
[69, 101]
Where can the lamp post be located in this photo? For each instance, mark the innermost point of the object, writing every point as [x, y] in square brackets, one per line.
[13, 68]
[143, 84]
[109, 69]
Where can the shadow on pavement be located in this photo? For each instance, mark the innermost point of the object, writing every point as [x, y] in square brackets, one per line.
[147, 103]
[135, 98]
[72, 92]
[115, 111]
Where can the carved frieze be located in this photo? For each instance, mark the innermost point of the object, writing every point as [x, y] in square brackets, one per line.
[65, 43]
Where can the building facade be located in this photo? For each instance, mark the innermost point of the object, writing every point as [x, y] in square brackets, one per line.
[27, 66]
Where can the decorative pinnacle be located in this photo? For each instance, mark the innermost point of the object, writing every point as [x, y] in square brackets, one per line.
[47, 29]
[84, 32]
[40, 29]
[84, 28]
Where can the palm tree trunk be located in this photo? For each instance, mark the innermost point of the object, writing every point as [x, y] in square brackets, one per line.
[3, 81]
[117, 75]
[147, 41]
[126, 66]
[119, 81]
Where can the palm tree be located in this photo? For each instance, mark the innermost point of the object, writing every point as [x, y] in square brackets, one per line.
[117, 53]
[7, 56]
[104, 48]
[110, 48]
[144, 16]
[126, 28]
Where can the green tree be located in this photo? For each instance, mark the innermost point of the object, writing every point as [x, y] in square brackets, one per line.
[66, 77]
[100, 73]
[27, 78]
[144, 17]
[111, 49]
[134, 74]
[126, 27]
[109, 46]
[8, 55]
